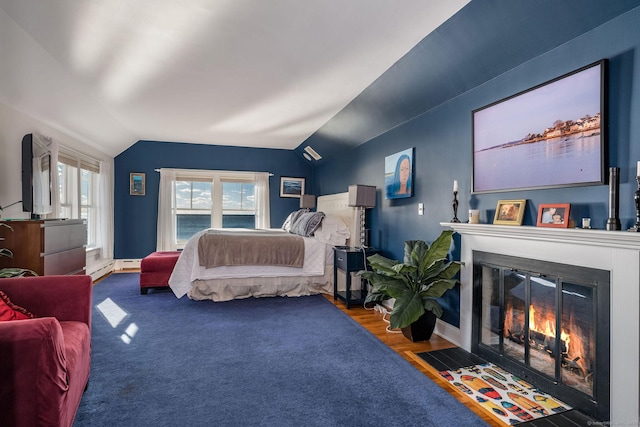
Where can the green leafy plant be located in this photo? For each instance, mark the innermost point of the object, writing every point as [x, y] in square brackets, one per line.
[12, 271]
[425, 274]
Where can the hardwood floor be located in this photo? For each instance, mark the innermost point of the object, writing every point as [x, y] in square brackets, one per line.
[372, 321]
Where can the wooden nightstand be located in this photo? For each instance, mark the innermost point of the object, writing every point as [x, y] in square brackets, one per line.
[349, 260]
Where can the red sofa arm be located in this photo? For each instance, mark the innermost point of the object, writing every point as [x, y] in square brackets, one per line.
[33, 371]
[62, 297]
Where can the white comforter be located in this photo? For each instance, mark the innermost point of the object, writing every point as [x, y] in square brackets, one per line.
[188, 267]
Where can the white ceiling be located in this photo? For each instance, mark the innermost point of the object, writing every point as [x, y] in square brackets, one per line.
[258, 73]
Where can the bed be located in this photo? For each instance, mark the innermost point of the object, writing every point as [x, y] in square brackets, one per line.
[227, 282]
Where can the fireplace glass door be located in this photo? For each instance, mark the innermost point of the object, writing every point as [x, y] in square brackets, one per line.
[546, 320]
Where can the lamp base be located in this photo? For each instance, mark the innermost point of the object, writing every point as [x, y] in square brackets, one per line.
[613, 224]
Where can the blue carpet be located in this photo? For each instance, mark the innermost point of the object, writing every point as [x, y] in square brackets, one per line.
[252, 362]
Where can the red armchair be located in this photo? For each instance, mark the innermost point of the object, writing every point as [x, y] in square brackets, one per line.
[45, 361]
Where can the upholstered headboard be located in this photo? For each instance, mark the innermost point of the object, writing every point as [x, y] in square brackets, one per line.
[338, 204]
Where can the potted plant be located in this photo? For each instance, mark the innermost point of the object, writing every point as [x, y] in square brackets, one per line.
[12, 271]
[425, 274]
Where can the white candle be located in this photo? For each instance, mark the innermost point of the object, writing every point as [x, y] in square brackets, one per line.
[638, 173]
[455, 181]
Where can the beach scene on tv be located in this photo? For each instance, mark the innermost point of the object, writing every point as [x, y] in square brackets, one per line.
[549, 136]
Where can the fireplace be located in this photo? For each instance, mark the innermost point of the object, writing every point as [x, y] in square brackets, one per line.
[614, 252]
[547, 323]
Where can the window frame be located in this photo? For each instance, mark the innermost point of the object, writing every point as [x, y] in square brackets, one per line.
[217, 180]
[70, 190]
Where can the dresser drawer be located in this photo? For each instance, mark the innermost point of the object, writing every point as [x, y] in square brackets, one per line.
[72, 261]
[68, 235]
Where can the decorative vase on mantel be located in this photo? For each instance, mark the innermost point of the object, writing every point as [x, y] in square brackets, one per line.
[421, 329]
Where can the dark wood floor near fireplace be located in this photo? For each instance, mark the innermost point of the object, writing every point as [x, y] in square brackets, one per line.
[446, 356]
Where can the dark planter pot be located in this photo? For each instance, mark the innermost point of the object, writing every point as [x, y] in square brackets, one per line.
[421, 329]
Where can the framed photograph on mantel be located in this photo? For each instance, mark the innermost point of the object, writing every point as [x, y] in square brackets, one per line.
[509, 212]
[554, 215]
[291, 187]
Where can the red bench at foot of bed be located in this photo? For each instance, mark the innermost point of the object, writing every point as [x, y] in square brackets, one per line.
[156, 268]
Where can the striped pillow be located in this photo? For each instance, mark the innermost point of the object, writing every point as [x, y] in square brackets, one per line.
[307, 224]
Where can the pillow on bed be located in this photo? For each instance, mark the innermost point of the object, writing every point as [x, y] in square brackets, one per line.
[292, 218]
[307, 223]
[333, 231]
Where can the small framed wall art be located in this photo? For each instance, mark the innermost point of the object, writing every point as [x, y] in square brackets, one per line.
[554, 215]
[398, 174]
[509, 212]
[291, 187]
[136, 184]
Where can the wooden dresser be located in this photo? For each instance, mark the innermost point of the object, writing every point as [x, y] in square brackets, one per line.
[46, 246]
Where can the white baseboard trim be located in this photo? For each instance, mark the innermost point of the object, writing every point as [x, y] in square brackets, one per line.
[448, 332]
[125, 264]
[100, 270]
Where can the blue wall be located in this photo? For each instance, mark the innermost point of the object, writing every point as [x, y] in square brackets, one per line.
[440, 129]
[136, 216]
[442, 140]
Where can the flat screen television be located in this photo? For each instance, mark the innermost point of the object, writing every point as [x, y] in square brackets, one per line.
[36, 175]
[552, 135]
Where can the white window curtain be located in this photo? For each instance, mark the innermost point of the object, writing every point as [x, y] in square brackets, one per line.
[166, 240]
[263, 218]
[166, 232]
[105, 210]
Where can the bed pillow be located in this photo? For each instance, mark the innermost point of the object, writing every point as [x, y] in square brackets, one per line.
[292, 218]
[10, 311]
[333, 231]
[307, 223]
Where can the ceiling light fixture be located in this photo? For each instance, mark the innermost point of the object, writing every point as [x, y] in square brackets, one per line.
[306, 156]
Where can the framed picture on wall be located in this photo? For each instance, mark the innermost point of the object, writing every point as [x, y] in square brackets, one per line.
[398, 174]
[509, 212]
[136, 184]
[549, 136]
[554, 215]
[291, 187]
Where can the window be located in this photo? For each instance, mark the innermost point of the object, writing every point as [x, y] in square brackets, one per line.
[194, 200]
[238, 205]
[195, 206]
[78, 180]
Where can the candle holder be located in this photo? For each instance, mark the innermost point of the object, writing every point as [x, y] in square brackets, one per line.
[636, 200]
[613, 223]
[455, 207]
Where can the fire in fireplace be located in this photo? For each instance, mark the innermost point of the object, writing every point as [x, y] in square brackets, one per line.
[548, 323]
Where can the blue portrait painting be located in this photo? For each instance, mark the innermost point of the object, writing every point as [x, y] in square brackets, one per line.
[398, 174]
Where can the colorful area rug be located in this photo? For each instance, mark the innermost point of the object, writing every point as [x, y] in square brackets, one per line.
[507, 397]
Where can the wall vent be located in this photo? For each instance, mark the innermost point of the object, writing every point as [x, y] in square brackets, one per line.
[312, 152]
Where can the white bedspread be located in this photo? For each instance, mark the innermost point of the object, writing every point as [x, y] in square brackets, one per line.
[188, 268]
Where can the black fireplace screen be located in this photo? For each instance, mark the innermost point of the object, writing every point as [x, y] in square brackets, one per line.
[549, 322]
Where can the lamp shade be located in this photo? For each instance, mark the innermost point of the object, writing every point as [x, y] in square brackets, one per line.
[362, 196]
[307, 201]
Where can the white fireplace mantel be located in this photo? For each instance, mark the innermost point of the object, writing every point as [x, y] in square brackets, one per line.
[612, 239]
[615, 251]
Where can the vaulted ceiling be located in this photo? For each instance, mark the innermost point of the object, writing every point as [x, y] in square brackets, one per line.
[331, 74]
[259, 73]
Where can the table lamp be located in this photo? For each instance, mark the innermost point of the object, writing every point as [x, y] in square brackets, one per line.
[362, 197]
